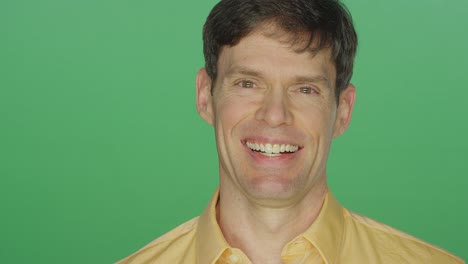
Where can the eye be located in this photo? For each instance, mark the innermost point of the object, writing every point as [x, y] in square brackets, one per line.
[306, 90]
[246, 84]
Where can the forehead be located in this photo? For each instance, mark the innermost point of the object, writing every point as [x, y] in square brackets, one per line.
[270, 52]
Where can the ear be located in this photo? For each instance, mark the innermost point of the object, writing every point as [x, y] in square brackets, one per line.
[203, 96]
[345, 110]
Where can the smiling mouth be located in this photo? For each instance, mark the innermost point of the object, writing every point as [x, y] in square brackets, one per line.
[272, 150]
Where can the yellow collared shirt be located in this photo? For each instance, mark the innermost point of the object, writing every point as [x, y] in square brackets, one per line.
[336, 236]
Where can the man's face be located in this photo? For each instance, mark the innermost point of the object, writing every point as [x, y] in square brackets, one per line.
[274, 112]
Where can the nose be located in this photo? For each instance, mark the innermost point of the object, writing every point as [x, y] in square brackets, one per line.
[274, 109]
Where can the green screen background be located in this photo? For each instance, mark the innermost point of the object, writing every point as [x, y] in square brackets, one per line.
[101, 149]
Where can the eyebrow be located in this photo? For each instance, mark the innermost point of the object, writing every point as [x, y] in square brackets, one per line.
[240, 70]
[313, 79]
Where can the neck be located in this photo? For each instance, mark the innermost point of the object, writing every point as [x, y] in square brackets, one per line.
[262, 231]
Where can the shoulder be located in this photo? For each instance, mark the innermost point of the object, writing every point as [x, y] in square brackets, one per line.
[392, 245]
[176, 246]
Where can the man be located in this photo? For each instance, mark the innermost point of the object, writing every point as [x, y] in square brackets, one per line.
[276, 89]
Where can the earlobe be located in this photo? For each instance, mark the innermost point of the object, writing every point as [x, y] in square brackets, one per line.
[345, 110]
[203, 96]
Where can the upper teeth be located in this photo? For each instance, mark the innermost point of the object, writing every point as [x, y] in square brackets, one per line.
[272, 148]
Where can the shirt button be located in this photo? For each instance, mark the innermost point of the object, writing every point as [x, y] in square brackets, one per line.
[234, 258]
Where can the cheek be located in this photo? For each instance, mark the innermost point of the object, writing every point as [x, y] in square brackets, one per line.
[316, 121]
[232, 110]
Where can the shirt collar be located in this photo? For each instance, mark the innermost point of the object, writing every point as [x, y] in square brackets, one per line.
[325, 234]
[210, 240]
